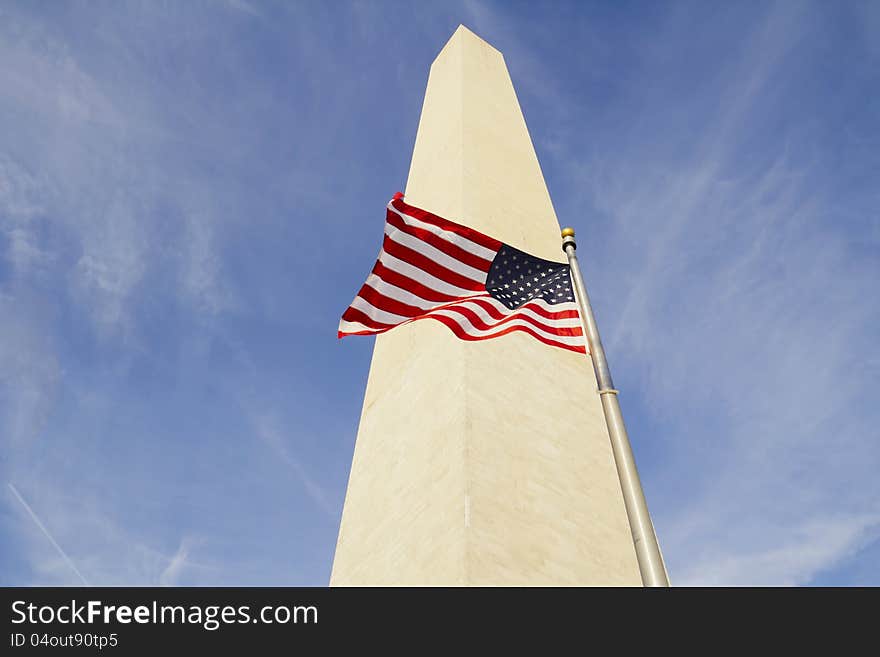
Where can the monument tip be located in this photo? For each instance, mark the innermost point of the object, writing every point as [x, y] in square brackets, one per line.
[463, 32]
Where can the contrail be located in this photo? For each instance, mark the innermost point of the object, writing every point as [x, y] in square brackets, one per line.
[46, 532]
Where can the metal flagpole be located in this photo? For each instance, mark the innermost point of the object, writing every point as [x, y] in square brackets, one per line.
[651, 564]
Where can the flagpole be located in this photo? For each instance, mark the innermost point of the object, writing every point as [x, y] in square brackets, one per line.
[650, 560]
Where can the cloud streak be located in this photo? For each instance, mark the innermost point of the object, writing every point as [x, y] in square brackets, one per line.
[42, 527]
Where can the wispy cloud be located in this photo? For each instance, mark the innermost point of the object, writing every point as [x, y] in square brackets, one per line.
[80, 184]
[171, 575]
[42, 527]
[242, 5]
[267, 430]
[792, 560]
[98, 540]
[30, 374]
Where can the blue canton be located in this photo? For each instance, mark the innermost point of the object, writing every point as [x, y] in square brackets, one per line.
[516, 278]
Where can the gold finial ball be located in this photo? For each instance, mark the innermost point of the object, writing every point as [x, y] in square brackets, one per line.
[568, 232]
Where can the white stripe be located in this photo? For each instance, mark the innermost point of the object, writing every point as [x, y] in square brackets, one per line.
[435, 254]
[471, 330]
[405, 296]
[455, 238]
[398, 294]
[354, 327]
[391, 291]
[546, 325]
[495, 324]
[538, 302]
[385, 317]
[577, 341]
[562, 322]
[553, 308]
[422, 276]
[376, 314]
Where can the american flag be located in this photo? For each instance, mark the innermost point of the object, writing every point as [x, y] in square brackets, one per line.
[433, 268]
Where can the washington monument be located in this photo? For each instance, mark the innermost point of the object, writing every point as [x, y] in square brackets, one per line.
[481, 463]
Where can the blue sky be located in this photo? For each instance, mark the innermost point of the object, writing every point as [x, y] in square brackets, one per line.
[192, 192]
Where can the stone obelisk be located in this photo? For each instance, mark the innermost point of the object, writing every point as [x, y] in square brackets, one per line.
[481, 463]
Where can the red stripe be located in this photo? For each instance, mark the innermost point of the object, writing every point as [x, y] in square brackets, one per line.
[479, 324]
[424, 263]
[469, 233]
[460, 332]
[551, 314]
[355, 315]
[535, 308]
[429, 294]
[389, 305]
[439, 243]
[342, 334]
[410, 285]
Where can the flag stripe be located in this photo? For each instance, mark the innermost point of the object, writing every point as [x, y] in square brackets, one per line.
[396, 293]
[420, 276]
[353, 328]
[390, 304]
[462, 333]
[435, 255]
[491, 314]
[460, 327]
[538, 306]
[450, 236]
[475, 332]
[422, 215]
[408, 283]
[480, 320]
[428, 266]
[356, 328]
[382, 311]
[352, 314]
[442, 243]
[377, 315]
[400, 294]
